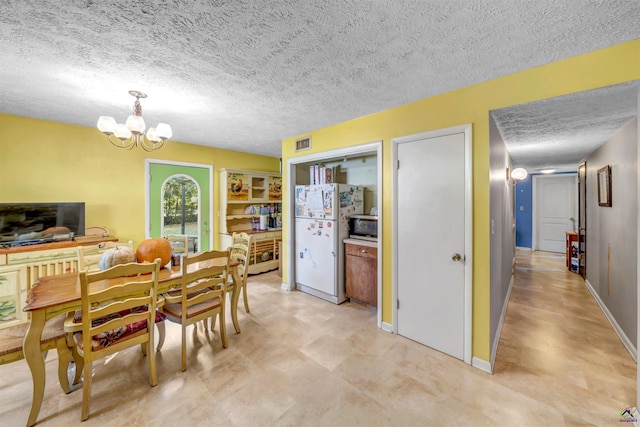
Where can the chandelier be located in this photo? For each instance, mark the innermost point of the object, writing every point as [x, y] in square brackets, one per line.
[131, 134]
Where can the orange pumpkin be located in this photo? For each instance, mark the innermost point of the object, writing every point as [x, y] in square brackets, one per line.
[150, 249]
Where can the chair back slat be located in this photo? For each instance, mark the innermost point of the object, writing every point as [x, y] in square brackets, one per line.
[207, 295]
[120, 322]
[202, 271]
[120, 304]
[122, 290]
[179, 243]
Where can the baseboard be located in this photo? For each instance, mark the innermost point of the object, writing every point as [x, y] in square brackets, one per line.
[623, 337]
[524, 249]
[286, 287]
[387, 327]
[496, 338]
[483, 365]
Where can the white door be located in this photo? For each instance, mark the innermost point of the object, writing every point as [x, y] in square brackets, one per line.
[316, 254]
[432, 203]
[555, 209]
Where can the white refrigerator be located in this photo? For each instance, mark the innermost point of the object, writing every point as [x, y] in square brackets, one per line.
[322, 213]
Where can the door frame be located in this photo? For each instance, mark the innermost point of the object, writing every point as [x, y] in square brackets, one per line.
[534, 204]
[147, 168]
[367, 148]
[468, 226]
[582, 206]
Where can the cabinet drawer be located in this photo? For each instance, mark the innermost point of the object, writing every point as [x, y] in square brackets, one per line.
[268, 235]
[362, 251]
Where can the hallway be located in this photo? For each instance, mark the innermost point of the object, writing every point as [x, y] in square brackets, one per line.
[558, 347]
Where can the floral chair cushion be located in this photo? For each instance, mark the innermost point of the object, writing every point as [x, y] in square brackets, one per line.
[107, 338]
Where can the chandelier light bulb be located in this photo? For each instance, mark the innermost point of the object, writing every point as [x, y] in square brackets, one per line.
[164, 131]
[122, 132]
[135, 124]
[107, 124]
[152, 135]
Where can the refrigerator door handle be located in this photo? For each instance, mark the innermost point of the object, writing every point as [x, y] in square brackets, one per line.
[333, 253]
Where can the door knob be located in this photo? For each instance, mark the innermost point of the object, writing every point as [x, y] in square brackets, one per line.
[456, 257]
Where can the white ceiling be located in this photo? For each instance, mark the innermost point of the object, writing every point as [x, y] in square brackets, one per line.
[245, 74]
[559, 132]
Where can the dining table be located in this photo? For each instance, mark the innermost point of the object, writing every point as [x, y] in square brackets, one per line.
[54, 295]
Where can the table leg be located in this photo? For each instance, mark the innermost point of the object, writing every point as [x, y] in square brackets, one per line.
[33, 356]
[64, 359]
[235, 296]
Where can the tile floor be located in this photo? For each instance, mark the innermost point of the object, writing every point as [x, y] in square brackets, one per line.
[301, 361]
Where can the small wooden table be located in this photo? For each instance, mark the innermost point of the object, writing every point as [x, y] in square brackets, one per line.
[54, 295]
[570, 238]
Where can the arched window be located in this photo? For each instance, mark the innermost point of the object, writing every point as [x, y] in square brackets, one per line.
[180, 201]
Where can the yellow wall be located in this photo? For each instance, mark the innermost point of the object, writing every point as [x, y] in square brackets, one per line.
[472, 104]
[43, 161]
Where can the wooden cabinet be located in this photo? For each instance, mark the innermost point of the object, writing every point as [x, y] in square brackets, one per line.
[571, 255]
[48, 259]
[361, 270]
[13, 294]
[245, 196]
[21, 266]
[264, 251]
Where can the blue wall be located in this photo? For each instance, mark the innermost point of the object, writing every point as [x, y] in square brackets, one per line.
[524, 217]
[524, 213]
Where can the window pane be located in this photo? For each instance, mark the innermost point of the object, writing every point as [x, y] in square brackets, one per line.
[180, 205]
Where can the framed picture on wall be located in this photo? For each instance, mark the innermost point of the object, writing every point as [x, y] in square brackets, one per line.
[604, 186]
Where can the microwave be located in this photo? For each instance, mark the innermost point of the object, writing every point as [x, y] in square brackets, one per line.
[363, 227]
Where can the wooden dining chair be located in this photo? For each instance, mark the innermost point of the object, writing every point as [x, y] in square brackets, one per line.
[117, 317]
[53, 337]
[179, 243]
[88, 260]
[201, 295]
[240, 248]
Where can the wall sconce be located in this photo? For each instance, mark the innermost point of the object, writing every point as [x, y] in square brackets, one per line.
[516, 175]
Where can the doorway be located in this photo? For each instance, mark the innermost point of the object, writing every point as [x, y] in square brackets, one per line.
[192, 203]
[432, 246]
[375, 149]
[582, 219]
[554, 213]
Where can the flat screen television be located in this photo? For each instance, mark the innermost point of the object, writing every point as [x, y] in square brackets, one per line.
[33, 223]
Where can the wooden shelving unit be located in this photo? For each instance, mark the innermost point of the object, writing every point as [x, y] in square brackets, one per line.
[243, 194]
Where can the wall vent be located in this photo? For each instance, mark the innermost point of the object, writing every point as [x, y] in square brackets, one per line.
[303, 144]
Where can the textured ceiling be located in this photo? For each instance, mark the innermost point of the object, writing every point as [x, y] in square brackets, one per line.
[559, 132]
[245, 74]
